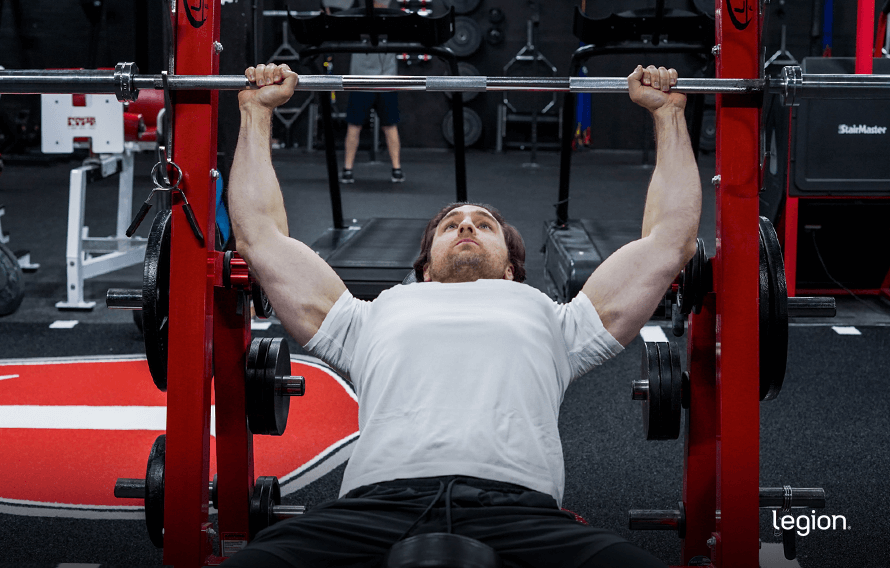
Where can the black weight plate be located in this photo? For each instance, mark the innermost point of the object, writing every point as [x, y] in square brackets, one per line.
[277, 407]
[772, 194]
[266, 494]
[462, 6]
[651, 373]
[472, 127]
[496, 16]
[466, 70]
[691, 290]
[154, 491]
[12, 291]
[707, 141]
[773, 343]
[262, 307]
[672, 431]
[254, 384]
[664, 405]
[156, 297]
[467, 37]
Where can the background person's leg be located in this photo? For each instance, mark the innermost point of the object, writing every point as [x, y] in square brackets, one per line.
[352, 137]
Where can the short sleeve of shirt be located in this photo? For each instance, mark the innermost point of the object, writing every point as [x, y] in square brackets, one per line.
[334, 342]
[587, 340]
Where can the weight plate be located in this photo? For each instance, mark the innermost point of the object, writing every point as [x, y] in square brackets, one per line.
[466, 70]
[672, 428]
[773, 319]
[651, 373]
[12, 291]
[496, 16]
[472, 127]
[276, 406]
[156, 297]
[262, 307]
[462, 6]
[707, 141]
[154, 491]
[691, 291]
[266, 494]
[254, 376]
[664, 403]
[467, 37]
[772, 194]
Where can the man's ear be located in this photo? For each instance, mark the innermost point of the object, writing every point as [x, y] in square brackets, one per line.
[426, 272]
[508, 272]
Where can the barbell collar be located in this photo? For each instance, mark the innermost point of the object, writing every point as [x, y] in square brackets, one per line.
[290, 386]
[815, 307]
[801, 498]
[124, 298]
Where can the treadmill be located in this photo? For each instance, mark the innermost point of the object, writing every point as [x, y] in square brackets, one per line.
[371, 255]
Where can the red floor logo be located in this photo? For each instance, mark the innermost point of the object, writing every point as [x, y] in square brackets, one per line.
[70, 428]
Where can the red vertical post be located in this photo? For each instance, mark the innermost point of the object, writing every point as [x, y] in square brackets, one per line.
[234, 442]
[865, 33]
[190, 322]
[736, 277]
[790, 245]
[700, 440]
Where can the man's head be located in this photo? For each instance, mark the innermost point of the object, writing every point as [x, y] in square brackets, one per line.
[467, 241]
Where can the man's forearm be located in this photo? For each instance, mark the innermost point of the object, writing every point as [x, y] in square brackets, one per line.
[256, 205]
[673, 202]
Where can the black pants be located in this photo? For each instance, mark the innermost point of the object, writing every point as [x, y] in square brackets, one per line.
[525, 527]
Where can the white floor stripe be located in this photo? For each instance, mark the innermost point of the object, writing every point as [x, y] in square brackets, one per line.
[846, 330]
[260, 325]
[90, 417]
[63, 324]
[653, 333]
[2, 377]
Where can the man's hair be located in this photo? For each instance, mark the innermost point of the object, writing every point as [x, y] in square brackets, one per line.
[515, 245]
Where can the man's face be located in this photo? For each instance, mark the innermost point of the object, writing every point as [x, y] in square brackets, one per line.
[468, 245]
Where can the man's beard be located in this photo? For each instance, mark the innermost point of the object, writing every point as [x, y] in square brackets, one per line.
[466, 267]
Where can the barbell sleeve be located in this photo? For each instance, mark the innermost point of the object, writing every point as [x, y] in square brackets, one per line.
[796, 497]
[290, 386]
[124, 298]
[284, 512]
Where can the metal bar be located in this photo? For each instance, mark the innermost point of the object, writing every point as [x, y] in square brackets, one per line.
[127, 83]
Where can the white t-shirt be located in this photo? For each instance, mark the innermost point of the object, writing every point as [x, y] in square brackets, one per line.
[461, 379]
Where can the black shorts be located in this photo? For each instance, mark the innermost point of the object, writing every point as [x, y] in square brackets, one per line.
[360, 102]
[525, 527]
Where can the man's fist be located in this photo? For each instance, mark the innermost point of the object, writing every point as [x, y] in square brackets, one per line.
[650, 88]
[276, 85]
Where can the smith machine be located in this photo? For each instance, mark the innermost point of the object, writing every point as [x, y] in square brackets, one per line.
[200, 316]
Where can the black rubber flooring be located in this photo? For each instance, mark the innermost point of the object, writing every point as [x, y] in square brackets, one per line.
[826, 429]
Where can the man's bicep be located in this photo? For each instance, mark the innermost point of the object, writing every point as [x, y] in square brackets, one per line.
[627, 286]
[300, 285]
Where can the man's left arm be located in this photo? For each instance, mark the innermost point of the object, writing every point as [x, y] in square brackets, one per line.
[627, 286]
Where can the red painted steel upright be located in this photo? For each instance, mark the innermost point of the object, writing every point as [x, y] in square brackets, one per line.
[736, 277]
[191, 293]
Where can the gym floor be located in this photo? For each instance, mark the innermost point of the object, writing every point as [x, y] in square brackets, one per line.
[827, 428]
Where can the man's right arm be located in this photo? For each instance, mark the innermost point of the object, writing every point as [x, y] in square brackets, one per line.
[300, 285]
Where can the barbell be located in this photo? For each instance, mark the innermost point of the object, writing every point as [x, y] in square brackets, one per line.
[126, 82]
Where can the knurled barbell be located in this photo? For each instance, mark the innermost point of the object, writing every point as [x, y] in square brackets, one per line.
[126, 82]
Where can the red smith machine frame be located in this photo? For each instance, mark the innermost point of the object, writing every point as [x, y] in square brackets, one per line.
[722, 449]
[209, 326]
